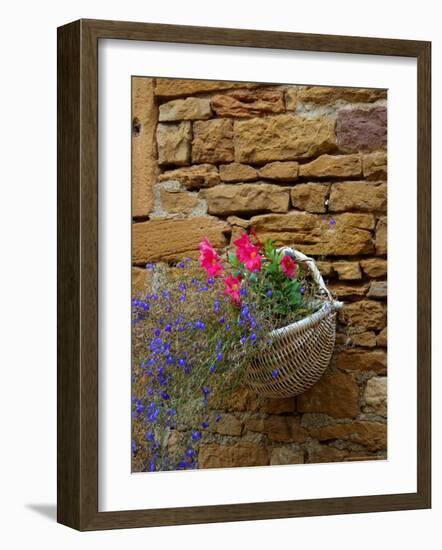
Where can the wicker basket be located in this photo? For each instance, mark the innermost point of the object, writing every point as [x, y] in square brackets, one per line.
[300, 352]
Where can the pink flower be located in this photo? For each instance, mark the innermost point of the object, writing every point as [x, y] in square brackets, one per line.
[247, 253]
[209, 259]
[288, 266]
[233, 286]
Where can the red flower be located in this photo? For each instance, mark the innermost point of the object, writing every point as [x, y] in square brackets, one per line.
[288, 266]
[247, 253]
[209, 259]
[258, 240]
[233, 286]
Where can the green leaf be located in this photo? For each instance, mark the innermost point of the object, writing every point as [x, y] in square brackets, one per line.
[233, 259]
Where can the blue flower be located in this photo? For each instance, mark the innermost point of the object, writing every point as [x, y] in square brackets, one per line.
[200, 325]
[216, 306]
[152, 465]
[190, 453]
[221, 320]
[211, 281]
[157, 332]
[302, 290]
[275, 373]
[332, 222]
[165, 395]
[205, 424]
[196, 435]
[150, 266]
[243, 339]
[219, 357]
[269, 293]
[218, 418]
[150, 436]
[253, 337]
[181, 264]
[243, 292]
[205, 390]
[168, 328]
[182, 286]
[212, 368]
[182, 362]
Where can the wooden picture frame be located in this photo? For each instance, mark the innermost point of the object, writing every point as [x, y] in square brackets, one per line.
[77, 461]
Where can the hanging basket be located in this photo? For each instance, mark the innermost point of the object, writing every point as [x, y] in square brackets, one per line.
[300, 352]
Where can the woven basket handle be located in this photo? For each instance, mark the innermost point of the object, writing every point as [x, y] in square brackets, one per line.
[300, 257]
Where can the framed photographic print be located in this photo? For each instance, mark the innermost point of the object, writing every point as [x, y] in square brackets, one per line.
[223, 203]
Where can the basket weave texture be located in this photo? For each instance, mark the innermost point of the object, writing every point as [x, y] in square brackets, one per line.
[300, 352]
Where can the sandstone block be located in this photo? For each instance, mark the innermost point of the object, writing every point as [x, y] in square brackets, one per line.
[381, 339]
[362, 359]
[191, 108]
[278, 406]
[337, 166]
[248, 103]
[178, 202]
[144, 161]
[323, 95]
[374, 165]
[381, 236]
[213, 141]
[334, 394]
[372, 435]
[291, 99]
[324, 453]
[364, 339]
[349, 291]
[177, 87]
[310, 197]
[347, 270]
[247, 198]
[326, 268]
[174, 143]
[374, 267]
[348, 234]
[375, 395]
[378, 289]
[193, 177]
[285, 455]
[228, 425]
[170, 240]
[241, 400]
[362, 196]
[278, 428]
[364, 315]
[282, 137]
[361, 130]
[236, 171]
[244, 453]
[281, 171]
[141, 280]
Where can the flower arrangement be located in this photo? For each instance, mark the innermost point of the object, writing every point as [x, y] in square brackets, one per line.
[194, 335]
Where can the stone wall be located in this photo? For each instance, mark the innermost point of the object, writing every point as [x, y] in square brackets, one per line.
[307, 167]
